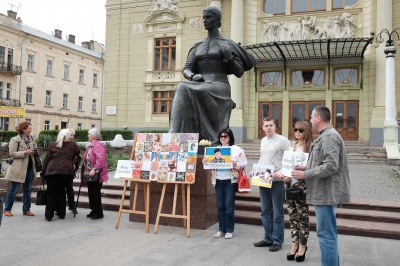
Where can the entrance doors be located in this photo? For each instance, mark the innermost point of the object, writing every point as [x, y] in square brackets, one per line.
[345, 119]
[268, 109]
[300, 111]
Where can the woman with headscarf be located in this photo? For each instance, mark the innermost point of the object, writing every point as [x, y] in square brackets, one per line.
[58, 166]
[203, 104]
[94, 161]
[22, 170]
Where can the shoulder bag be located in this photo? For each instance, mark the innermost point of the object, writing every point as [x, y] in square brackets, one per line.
[243, 182]
[38, 162]
[41, 196]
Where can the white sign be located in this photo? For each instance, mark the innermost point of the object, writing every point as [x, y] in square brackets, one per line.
[111, 110]
[124, 169]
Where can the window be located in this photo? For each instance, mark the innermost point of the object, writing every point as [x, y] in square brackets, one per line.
[46, 125]
[31, 59]
[344, 76]
[165, 50]
[308, 77]
[342, 3]
[66, 72]
[81, 75]
[271, 78]
[80, 103]
[9, 91]
[10, 56]
[274, 6]
[162, 101]
[29, 95]
[4, 123]
[308, 5]
[93, 126]
[94, 107]
[49, 67]
[2, 54]
[1, 89]
[65, 101]
[94, 79]
[48, 98]
[79, 127]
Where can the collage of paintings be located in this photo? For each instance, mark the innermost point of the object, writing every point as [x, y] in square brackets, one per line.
[167, 157]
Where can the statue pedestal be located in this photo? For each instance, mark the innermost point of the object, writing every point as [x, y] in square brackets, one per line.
[203, 202]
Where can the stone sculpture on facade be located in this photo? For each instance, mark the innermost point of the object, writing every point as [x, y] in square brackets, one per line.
[309, 27]
[164, 5]
[203, 104]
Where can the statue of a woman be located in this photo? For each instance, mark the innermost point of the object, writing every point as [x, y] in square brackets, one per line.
[203, 104]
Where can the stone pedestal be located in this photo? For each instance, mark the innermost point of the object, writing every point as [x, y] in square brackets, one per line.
[203, 202]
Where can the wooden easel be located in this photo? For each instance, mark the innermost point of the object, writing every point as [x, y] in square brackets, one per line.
[146, 192]
[185, 205]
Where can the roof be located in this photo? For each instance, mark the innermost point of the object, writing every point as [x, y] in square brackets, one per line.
[329, 49]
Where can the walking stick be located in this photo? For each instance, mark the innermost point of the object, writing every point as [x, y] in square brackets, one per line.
[77, 199]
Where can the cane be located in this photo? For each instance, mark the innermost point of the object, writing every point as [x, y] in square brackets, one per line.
[77, 199]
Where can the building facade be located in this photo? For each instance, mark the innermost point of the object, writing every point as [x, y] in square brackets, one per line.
[308, 53]
[51, 82]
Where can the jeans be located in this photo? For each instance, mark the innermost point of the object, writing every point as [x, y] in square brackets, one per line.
[272, 216]
[327, 234]
[226, 191]
[1, 209]
[26, 198]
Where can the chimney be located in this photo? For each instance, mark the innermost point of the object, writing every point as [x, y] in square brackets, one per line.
[12, 14]
[86, 45]
[71, 38]
[57, 33]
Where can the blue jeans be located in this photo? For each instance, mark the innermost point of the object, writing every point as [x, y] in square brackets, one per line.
[26, 198]
[226, 191]
[272, 215]
[327, 234]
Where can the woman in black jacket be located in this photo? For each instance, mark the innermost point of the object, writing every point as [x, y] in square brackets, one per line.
[58, 166]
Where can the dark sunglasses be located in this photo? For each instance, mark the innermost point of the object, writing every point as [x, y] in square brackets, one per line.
[298, 129]
[224, 136]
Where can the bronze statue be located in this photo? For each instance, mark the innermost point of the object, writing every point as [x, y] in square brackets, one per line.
[203, 104]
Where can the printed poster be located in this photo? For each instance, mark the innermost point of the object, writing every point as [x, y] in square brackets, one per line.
[290, 160]
[218, 158]
[261, 175]
[124, 169]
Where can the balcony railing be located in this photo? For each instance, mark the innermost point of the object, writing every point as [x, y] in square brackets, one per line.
[10, 68]
[9, 102]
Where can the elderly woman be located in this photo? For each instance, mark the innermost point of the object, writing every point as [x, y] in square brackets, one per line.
[203, 104]
[94, 161]
[58, 166]
[22, 149]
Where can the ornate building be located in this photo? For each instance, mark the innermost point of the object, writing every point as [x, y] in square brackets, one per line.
[309, 53]
[51, 82]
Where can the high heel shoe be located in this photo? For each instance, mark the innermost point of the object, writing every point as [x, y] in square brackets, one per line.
[291, 256]
[302, 257]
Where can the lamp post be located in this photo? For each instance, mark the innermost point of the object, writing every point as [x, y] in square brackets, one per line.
[390, 127]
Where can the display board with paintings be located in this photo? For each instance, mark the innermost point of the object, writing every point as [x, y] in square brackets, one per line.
[164, 157]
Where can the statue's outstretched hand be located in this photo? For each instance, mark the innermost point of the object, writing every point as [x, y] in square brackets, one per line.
[227, 53]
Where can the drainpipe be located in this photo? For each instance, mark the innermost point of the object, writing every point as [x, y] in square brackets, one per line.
[20, 76]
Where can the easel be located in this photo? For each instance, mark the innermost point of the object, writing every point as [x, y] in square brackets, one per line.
[146, 192]
[185, 205]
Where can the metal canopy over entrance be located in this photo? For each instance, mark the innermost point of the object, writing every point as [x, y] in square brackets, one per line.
[328, 49]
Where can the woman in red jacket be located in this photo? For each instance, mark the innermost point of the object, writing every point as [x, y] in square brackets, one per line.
[94, 161]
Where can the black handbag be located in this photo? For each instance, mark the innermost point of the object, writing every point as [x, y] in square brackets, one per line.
[90, 179]
[295, 194]
[38, 162]
[41, 196]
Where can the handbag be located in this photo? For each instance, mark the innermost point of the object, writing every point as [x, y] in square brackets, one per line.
[38, 162]
[243, 182]
[41, 196]
[295, 193]
[89, 179]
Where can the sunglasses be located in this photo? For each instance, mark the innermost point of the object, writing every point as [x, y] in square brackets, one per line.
[298, 129]
[224, 136]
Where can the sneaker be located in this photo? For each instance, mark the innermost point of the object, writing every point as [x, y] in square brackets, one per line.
[262, 243]
[218, 234]
[228, 235]
[275, 247]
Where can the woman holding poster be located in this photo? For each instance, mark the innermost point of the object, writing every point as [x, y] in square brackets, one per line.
[225, 183]
[298, 209]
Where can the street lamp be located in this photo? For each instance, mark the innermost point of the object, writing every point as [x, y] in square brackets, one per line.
[390, 127]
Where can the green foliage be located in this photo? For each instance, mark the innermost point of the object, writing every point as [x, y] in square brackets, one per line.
[154, 131]
[5, 136]
[44, 140]
[110, 134]
[81, 146]
[53, 133]
[112, 160]
[81, 135]
[108, 146]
